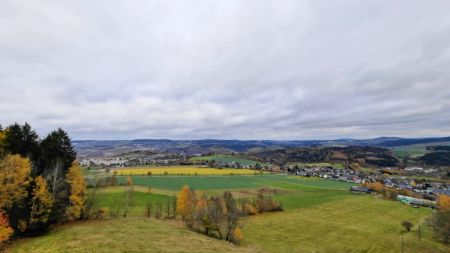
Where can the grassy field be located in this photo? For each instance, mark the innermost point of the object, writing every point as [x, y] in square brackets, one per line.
[227, 159]
[109, 196]
[350, 224]
[416, 150]
[320, 216]
[294, 192]
[236, 182]
[183, 170]
[124, 235]
[413, 151]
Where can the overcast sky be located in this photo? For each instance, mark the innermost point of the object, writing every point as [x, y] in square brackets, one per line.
[226, 69]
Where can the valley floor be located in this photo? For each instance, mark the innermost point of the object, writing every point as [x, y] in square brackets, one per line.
[320, 216]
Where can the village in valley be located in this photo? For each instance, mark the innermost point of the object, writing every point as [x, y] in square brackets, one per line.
[422, 183]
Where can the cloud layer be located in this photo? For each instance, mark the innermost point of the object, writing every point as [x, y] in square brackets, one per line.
[226, 69]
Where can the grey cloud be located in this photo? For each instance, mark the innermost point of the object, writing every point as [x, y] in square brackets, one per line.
[226, 69]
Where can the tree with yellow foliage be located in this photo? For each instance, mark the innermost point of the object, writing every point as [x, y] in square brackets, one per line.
[2, 142]
[5, 230]
[14, 177]
[77, 192]
[41, 203]
[377, 186]
[237, 235]
[185, 203]
[200, 213]
[443, 203]
[440, 220]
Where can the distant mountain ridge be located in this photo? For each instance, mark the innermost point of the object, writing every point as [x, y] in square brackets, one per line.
[190, 147]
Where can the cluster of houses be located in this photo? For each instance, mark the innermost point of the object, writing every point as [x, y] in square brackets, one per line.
[237, 165]
[420, 186]
[330, 172]
[129, 161]
[419, 170]
[233, 164]
[427, 188]
[104, 161]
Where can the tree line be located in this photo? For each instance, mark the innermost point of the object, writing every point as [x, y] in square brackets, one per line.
[40, 182]
[218, 216]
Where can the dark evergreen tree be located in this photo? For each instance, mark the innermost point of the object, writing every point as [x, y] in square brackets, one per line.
[58, 155]
[22, 140]
[56, 150]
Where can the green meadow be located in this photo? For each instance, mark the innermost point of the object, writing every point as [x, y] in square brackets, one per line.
[226, 159]
[344, 224]
[319, 216]
[234, 182]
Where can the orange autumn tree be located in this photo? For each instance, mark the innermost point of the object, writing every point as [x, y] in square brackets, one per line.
[443, 203]
[184, 202]
[377, 186]
[440, 220]
[77, 191]
[5, 230]
[200, 213]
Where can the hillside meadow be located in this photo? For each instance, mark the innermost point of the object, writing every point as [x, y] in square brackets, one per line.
[220, 158]
[182, 170]
[124, 235]
[350, 224]
[319, 216]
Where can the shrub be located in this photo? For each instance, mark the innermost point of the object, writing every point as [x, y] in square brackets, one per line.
[443, 202]
[440, 224]
[440, 220]
[265, 203]
[129, 180]
[237, 235]
[5, 230]
[377, 186]
[100, 213]
[250, 209]
[407, 225]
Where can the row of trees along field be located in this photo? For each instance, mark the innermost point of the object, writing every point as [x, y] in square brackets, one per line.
[439, 221]
[215, 216]
[40, 182]
[218, 216]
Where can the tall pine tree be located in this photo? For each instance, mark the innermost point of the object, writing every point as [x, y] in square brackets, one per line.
[58, 155]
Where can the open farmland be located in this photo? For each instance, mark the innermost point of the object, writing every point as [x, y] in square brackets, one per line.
[319, 216]
[183, 170]
[174, 183]
[413, 151]
[351, 224]
[110, 196]
[227, 159]
[416, 150]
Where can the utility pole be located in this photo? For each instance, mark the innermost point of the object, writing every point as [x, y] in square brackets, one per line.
[419, 232]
